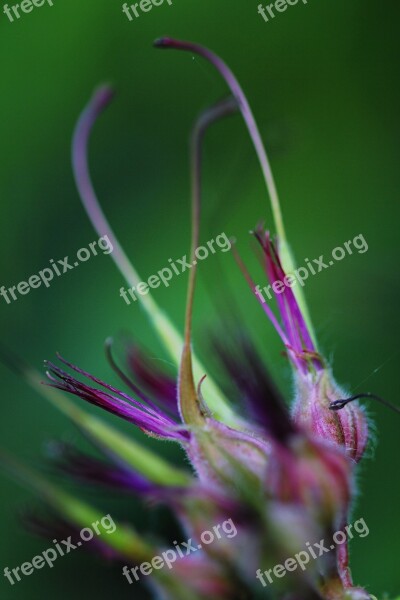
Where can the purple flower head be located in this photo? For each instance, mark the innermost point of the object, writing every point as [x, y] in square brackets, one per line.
[282, 477]
[258, 465]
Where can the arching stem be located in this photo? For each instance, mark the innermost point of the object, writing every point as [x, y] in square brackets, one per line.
[189, 402]
[244, 106]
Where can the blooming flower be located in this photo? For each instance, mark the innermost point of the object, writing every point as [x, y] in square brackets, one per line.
[284, 479]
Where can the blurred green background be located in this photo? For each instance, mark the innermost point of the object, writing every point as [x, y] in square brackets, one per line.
[323, 83]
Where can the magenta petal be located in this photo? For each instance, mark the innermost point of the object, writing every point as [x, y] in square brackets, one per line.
[301, 347]
[152, 421]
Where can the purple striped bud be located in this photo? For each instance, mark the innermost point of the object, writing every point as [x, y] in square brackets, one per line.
[347, 427]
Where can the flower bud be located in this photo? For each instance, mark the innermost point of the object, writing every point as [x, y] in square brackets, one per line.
[347, 427]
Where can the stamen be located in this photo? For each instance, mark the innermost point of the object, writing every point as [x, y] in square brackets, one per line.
[339, 404]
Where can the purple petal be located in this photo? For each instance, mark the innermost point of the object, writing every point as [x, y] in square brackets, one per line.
[152, 421]
[301, 348]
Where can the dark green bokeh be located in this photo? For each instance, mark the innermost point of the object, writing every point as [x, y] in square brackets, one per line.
[323, 82]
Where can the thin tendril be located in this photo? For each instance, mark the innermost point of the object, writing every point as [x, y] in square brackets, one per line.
[189, 402]
[207, 118]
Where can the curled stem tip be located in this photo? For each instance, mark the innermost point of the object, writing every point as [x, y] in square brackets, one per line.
[341, 403]
[98, 102]
[102, 96]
